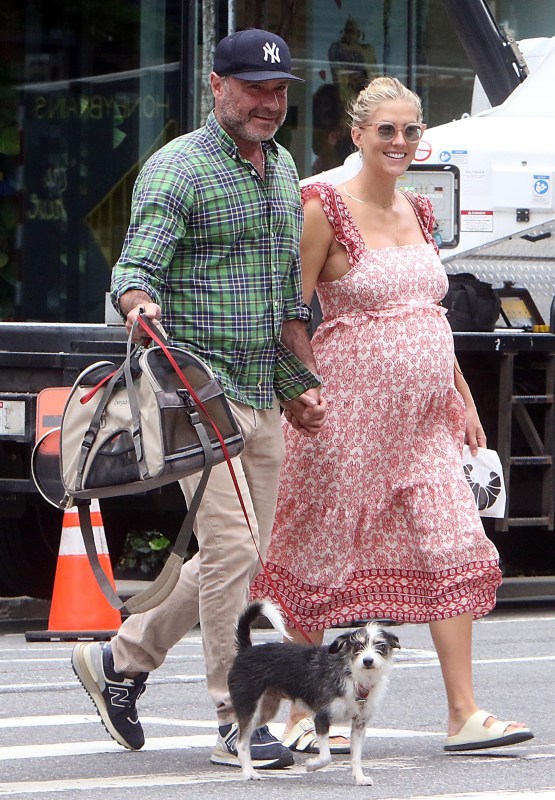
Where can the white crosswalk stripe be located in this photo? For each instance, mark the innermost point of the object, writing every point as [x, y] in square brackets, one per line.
[57, 755]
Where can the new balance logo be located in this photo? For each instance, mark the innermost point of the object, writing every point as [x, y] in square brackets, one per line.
[271, 51]
[231, 741]
[119, 697]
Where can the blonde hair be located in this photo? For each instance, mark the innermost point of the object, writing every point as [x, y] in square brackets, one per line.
[379, 91]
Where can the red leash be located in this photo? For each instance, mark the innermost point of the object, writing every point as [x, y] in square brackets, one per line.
[289, 614]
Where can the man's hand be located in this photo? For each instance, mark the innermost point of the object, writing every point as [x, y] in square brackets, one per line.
[135, 302]
[150, 310]
[307, 413]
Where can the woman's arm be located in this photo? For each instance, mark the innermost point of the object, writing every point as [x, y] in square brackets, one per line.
[475, 436]
[315, 243]
[316, 240]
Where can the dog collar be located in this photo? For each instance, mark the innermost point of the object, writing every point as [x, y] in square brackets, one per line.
[361, 693]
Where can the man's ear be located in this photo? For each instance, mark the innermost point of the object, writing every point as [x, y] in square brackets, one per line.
[216, 84]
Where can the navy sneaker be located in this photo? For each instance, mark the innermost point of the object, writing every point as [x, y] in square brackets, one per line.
[113, 694]
[267, 752]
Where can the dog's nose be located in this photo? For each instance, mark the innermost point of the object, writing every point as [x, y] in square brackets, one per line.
[368, 662]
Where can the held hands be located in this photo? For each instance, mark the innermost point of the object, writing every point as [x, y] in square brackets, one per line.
[307, 413]
[475, 436]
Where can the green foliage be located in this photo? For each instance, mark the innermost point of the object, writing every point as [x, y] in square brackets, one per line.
[144, 552]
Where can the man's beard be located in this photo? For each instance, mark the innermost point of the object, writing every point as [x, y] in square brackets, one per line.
[241, 128]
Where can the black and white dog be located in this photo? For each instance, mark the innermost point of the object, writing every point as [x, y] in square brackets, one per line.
[338, 684]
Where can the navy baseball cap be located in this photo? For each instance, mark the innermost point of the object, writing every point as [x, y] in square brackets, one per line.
[253, 55]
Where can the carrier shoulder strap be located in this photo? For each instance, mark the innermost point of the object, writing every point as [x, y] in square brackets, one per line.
[163, 585]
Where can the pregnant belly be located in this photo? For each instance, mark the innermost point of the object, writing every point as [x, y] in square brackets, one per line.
[409, 352]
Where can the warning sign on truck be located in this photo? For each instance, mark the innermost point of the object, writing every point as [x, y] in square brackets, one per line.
[476, 221]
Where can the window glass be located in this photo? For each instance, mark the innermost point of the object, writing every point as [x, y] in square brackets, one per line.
[338, 47]
[89, 90]
[350, 44]
[525, 20]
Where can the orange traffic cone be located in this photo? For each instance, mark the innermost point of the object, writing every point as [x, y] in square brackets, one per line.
[79, 609]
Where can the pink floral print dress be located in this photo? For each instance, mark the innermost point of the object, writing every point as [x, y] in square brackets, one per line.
[375, 517]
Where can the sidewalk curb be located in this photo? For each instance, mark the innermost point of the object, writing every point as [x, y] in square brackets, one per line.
[512, 593]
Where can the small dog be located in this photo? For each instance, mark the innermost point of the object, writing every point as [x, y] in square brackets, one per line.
[340, 683]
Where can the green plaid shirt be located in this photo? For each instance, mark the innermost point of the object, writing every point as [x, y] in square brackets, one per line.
[217, 247]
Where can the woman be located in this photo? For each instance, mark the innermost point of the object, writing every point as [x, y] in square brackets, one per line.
[375, 518]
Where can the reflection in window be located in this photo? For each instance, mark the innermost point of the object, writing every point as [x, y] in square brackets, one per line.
[92, 90]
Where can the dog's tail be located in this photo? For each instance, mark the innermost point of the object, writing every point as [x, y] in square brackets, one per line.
[264, 608]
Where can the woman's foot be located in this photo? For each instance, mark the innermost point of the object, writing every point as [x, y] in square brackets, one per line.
[300, 736]
[483, 730]
[456, 724]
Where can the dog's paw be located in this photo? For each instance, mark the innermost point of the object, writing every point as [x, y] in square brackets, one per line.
[251, 775]
[312, 764]
[363, 780]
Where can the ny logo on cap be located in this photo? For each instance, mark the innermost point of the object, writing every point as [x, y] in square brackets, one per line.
[271, 51]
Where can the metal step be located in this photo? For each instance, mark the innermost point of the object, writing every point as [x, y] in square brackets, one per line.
[529, 399]
[530, 461]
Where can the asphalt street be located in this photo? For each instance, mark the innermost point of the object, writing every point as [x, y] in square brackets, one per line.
[52, 744]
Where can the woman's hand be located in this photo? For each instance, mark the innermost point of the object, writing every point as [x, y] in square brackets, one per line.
[474, 435]
[307, 413]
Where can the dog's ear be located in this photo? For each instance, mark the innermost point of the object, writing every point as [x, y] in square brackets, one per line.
[339, 643]
[391, 640]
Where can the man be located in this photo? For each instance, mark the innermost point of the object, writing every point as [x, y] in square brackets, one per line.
[212, 250]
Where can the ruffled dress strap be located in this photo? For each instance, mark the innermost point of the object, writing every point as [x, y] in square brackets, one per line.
[343, 225]
[338, 216]
[424, 211]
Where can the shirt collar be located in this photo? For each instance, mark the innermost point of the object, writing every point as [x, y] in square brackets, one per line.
[226, 142]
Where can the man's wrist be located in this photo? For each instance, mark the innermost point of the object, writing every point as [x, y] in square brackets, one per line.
[131, 299]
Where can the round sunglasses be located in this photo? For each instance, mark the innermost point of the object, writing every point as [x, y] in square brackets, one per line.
[412, 131]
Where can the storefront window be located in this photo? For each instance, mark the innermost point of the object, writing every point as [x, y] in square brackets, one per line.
[350, 44]
[89, 90]
[338, 47]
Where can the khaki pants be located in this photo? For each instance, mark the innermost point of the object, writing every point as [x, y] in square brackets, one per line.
[214, 585]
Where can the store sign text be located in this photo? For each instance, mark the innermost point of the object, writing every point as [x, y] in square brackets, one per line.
[98, 106]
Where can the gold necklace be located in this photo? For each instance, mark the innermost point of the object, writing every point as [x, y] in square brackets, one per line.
[386, 205]
[366, 202]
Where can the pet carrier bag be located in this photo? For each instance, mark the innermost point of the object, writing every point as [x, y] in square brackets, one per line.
[158, 417]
